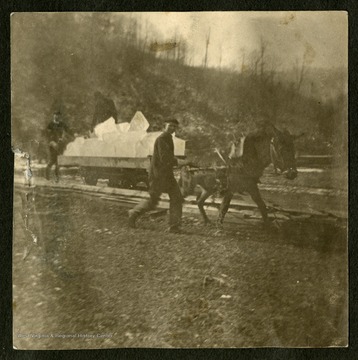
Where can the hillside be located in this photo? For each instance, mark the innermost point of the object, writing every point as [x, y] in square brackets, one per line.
[211, 104]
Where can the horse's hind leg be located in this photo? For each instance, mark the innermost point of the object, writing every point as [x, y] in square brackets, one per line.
[256, 196]
[200, 201]
[224, 207]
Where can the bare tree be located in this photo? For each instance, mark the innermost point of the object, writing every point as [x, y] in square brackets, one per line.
[145, 40]
[176, 46]
[206, 49]
[263, 46]
[220, 55]
[182, 51]
[300, 72]
[243, 64]
[254, 60]
[272, 71]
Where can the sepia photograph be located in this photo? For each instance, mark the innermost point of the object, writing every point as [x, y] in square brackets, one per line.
[180, 179]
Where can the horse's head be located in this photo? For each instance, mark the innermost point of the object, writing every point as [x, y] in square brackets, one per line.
[282, 152]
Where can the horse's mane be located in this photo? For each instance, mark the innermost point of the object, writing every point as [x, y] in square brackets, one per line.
[251, 139]
[250, 161]
[255, 136]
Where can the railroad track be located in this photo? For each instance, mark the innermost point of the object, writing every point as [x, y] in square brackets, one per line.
[242, 205]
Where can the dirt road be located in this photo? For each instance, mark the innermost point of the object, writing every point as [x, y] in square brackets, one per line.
[82, 279]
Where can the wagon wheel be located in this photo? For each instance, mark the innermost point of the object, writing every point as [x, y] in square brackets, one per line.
[144, 181]
[126, 184]
[114, 181]
[89, 177]
[128, 179]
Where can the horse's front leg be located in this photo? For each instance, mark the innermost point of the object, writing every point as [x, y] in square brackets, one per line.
[201, 201]
[224, 207]
[256, 196]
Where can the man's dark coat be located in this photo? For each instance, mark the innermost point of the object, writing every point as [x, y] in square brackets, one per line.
[161, 169]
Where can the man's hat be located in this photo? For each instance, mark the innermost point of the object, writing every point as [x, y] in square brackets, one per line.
[172, 121]
[57, 112]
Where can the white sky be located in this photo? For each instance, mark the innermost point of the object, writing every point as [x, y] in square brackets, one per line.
[322, 37]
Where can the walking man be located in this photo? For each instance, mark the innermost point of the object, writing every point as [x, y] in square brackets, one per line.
[56, 131]
[161, 180]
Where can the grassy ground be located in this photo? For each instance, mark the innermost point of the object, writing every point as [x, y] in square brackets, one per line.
[89, 275]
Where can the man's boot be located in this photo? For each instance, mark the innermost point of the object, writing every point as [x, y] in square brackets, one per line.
[175, 229]
[57, 174]
[47, 174]
[132, 217]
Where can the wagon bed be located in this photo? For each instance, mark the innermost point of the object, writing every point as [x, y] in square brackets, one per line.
[120, 171]
[107, 162]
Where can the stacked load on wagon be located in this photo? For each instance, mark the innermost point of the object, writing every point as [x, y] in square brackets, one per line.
[120, 140]
[118, 152]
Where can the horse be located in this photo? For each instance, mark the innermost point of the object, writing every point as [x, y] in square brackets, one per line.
[260, 148]
[202, 183]
[247, 159]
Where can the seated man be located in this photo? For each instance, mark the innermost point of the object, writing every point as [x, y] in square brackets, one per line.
[104, 109]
